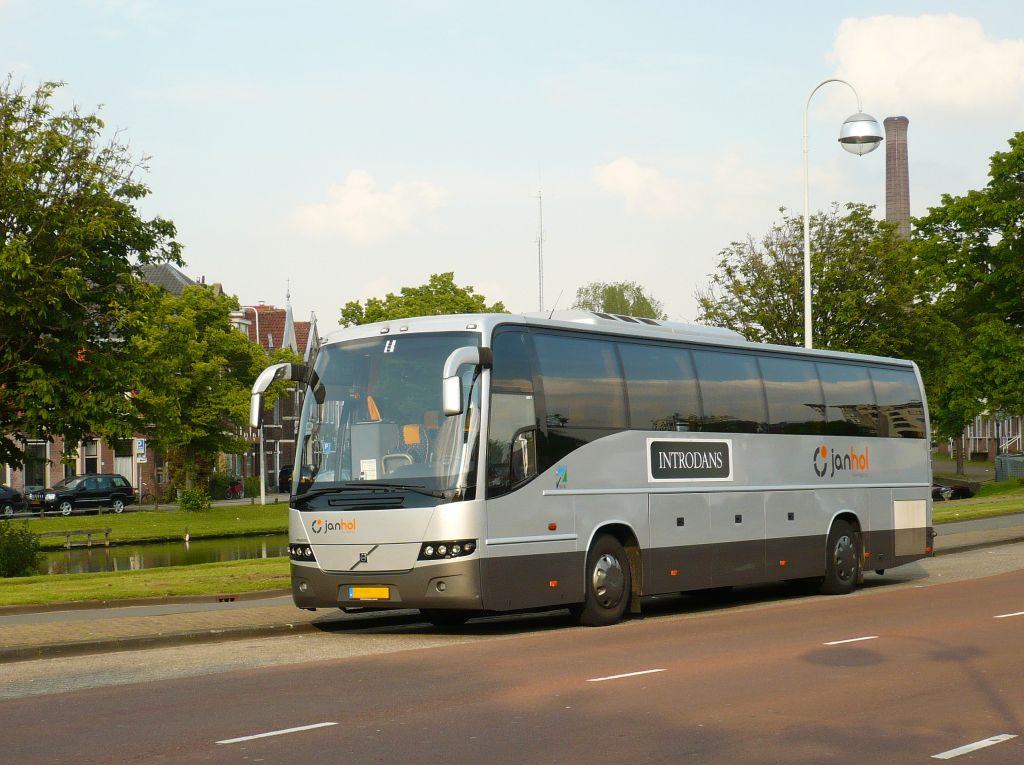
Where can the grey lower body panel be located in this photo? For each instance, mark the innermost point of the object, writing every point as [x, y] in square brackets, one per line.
[552, 580]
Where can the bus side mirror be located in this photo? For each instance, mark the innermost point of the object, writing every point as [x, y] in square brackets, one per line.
[451, 383]
[276, 372]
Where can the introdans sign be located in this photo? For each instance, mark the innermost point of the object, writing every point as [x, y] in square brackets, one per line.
[827, 462]
[681, 459]
[319, 526]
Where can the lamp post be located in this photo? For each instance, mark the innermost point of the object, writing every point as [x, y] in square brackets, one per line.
[263, 459]
[859, 135]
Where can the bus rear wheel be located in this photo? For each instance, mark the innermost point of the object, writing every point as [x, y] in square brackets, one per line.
[443, 617]
[842, 560]
[608, 584]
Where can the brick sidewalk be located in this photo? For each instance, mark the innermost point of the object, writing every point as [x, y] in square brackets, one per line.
[77, 633]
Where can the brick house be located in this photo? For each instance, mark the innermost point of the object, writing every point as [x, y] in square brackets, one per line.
[273, 328]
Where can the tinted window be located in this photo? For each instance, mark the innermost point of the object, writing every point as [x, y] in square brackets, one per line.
[731, 391]
[900, 408]
[513, 417]
[850, 408]
[661, 387]
[795, 402]
[582, 384]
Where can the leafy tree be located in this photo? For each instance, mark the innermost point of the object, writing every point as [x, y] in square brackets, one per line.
[865, 279]
[70, 238]
[624, 298]
[438, 296]
[972, 247]
[196, 377]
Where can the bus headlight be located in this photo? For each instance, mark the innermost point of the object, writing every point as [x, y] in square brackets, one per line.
[445, 550]
[301, 552]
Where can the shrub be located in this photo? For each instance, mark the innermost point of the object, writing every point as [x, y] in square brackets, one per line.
[251, 486]
[219, 484]
[194, 500]
[19, 550]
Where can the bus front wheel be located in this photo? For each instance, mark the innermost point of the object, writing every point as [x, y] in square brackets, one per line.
[842, 560]
[608, 584]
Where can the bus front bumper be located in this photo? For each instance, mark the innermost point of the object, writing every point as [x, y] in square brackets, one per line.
[450, 585]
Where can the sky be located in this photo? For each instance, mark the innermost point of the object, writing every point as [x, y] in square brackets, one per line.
[343, 150]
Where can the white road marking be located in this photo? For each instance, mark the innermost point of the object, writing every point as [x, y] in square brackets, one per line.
[619, 677]
[1007, 616]
[276, 733]
[974, 747]
[853, 640]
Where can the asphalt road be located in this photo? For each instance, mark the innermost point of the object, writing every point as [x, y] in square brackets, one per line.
[912, 666]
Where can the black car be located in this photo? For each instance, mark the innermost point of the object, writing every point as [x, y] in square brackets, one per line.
[284, 479]
[84, 493]
[11, 501]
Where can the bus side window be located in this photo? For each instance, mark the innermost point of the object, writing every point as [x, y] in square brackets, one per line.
[512, 432]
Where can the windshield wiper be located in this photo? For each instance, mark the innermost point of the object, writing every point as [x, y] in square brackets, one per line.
[417, 489]
[369, 488]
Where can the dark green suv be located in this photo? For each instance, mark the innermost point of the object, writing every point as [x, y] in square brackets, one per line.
[84, 493]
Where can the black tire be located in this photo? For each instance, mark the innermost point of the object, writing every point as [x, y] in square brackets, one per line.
[66, 508]
[8, 509]
[117, 505]
[443, 617]
[607, 583]
[842, 560]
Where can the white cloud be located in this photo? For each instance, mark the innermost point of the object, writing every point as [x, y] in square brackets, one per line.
[946, 63]
[359, 211]
[645, 189]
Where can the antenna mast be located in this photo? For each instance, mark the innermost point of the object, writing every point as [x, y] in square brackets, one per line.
[540, 250]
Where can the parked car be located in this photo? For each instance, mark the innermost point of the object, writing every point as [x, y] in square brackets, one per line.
[85, 493]
[950, 489]
[940, 492]
[11, 501]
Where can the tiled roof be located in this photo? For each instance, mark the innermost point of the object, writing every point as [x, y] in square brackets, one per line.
[166, 277]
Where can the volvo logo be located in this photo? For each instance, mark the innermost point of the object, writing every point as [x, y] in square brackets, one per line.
[364, 557]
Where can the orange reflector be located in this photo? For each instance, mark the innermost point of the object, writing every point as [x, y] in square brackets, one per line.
[782, 563]
[867, 554]
[553, 583]
[552, 527]
[674, 572]
[928, 550]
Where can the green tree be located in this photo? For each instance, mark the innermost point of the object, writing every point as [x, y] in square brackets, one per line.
[972, 247]
[197, 372]
[438, 296]
[865, 279]
[624, 298]
[70, 239]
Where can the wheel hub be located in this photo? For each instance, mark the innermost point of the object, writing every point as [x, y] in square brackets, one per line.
[608, 580]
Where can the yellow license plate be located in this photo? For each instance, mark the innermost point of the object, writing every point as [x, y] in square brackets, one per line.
[369, 593]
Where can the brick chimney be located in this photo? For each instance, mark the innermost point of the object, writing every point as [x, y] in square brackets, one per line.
[897, 175]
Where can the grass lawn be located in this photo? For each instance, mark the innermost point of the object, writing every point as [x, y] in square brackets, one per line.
[167, 525]
[206, 579]
[993, 499]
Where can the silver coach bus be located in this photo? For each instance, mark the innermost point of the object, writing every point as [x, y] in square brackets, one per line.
[489, 463]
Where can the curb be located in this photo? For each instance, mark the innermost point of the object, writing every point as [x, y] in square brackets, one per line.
[83, 605]
[141, 642]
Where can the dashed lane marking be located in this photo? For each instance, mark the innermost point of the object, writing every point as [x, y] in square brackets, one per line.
[276, 733]
[968, 748]
[628, 674]
[853, 640]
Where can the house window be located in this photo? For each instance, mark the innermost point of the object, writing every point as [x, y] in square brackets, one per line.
[92, 456]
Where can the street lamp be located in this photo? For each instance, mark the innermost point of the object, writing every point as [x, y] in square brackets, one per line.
[263, 459]
[859, 135]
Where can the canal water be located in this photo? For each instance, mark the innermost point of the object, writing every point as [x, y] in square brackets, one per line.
[80, 560]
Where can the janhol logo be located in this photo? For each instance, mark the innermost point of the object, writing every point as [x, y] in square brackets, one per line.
[318, 526]
[832, 462]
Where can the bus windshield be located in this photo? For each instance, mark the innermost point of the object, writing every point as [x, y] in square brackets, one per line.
[381, 422]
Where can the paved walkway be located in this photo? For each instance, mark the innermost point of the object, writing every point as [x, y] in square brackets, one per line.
[29, 634]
